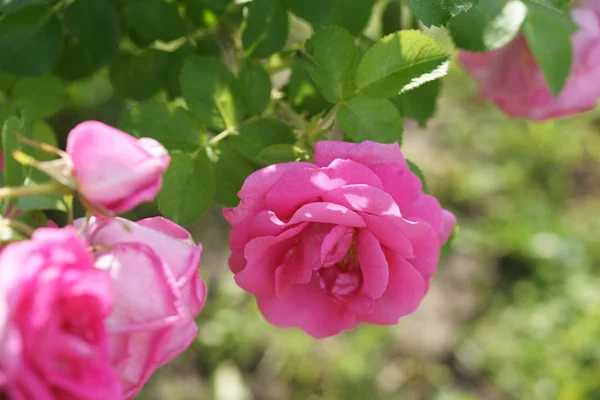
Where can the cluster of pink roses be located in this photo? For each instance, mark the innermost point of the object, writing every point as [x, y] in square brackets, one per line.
[90, 311]
[512, 79]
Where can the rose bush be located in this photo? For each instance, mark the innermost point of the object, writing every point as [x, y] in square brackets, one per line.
[119, 179]
[512, 79]
[351, 238]
[153, 266]
[53, 305]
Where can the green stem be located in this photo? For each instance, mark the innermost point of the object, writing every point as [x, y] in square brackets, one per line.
[33, 190]
[18, 226]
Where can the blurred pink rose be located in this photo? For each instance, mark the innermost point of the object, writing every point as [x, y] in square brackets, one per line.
[113, 169]
[511, 78]
[53, 304]
[351, 239]
[153, 264]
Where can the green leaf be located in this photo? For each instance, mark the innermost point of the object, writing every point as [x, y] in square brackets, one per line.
[34, 218]
[418, 104]
[488, 26]
[255, 85]
[14, 172]
[419, 173]
[188, 188]
[6, 110]
[231, 170]
[154, 19]
[7, 6]
[439, 12]
[253, 137]
[279, 153]
[319, 13]
[175, 128]
[548, 36]
[364, 118]
[42, 132]
[335, 56]
[6, 81]
[41, 202]
[42, 97]
[139, 76]
[391, 20]
[30, 41]
[400, 62]
[211, 92]
[301, 91]
[94, 34]
[266, 28]
[448, 245]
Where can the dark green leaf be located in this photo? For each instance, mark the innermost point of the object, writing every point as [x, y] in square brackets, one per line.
[400, 62]
[391, 20]
[279, 153]
[42, 132]
[6, 81]
[7, 6]
[448, 245]
[231, 170]
[488, 26]
[417, 171]
[548, 36]
[439, 12]
[266, 28]
[255, 84]
[418, 104]
[334, 55]
[154, 19]
[302, 93]
[139, 76]
[175, 128]
[34, 218]
[14, 172]
[94, 34]
[211, 92]
[353, 17]
[364, 118]
[254, 136]
[30, 41]
[41, 202]
[188, 188]
[42, 97]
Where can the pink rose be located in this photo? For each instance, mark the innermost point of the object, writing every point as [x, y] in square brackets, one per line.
[113, 169]
[511, 78]
[351, 239]
[153, 264]
[53, 304]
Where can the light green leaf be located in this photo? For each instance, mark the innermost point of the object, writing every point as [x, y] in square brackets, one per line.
[334, 55]
[488, 26]
[42, 97]
[266, 28]
[319, 13]
[439, 12]
[30, 41]
[252, 137]
[400, 62]
[175, 128]
[418, 104]
[255, 85]
[548, 36]
[188, 188]
[211, 92]
[364, 118]
[154, 19]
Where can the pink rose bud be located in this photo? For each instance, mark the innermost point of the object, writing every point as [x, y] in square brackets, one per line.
[113, 169]
[53, 304]
[153, 264]
[349, 239]
[512, 79]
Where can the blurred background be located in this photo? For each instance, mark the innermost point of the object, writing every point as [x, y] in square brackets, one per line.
[513, 311]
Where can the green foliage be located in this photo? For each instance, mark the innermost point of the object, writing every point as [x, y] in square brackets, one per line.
[334, 57]
[391, 19]
[30, 30]
[253, 137]
[231, 169]
[400, 62]
[154, 19]
[139, 76]
[255, 86]
[420, 103]
[14, 172]
[188, 187]
[363, 118]
[42, 97]
[439, 12]
[334, 12]
[266, 28]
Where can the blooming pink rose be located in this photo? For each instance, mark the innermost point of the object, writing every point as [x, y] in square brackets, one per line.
[512, 79]
[153, 265]
[113, 169]
[349, 239]
[53, 304]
